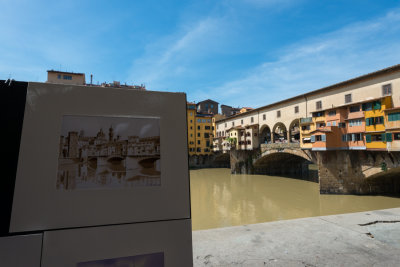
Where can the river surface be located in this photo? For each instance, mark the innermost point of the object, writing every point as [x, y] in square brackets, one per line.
[219, 199]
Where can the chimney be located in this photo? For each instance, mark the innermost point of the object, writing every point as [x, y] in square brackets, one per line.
[91, 79]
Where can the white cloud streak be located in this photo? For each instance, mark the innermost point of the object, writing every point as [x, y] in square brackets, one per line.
[317, 62]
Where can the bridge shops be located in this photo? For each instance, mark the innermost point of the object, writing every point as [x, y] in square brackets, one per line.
[349, 130]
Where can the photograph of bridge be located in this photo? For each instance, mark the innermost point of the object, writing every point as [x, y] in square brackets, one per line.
[108, 152]
[146, 260]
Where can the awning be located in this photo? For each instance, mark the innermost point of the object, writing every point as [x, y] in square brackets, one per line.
[307, 139]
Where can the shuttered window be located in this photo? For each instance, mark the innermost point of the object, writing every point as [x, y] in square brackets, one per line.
[312, 138]
[389, 137]
[323, 138]
[394, 116]
[368, 138]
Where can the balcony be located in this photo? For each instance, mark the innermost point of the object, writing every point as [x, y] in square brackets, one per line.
[306, 120]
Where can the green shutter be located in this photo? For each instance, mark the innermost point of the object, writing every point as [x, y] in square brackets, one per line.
[377, 105]
[389, 137]
[364, 107]
[383, 137]
[367, 121]
[368, 138]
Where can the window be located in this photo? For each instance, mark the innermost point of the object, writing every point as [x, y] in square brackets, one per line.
[241, 122]
[198, 149]
[318, 114]
[387, 89]
[320, 138]
[206, 135]
[212, 127]
[347, 98]
[334, 123]
[278, 114]
[67, 77]
[394, 116]
[233, 123]
[321, 124]
[59, 76]
[296, 109]
[264, 117]
[209, 121]
[356, 122]
[354, 108]
[207, 143]
[207, 127]
[252, 119]
[367, 106]
[374, 120]
[203, 120]
[396, 136]
[318, 105]
[198, 142]
[328, 124]
[198, 120]
[198, 127]
[191, 135]
[342, 125]
[190, 114]
[332, 113]
[191, 127]
[211, 105]
[248, 142]
[198, 134]
[305, 127]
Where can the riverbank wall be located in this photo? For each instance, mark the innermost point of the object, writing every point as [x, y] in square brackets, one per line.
[356, 239]
[337, 172]
[215, 160]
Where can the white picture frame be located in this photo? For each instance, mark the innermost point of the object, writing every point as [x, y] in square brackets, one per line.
[39, 205]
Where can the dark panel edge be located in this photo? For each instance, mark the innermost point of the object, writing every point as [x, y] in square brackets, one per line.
[12, 107]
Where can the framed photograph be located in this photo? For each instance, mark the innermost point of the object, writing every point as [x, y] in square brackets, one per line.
[154, 244]
[97, 156]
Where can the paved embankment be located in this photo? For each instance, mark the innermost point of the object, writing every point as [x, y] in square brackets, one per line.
[357, 239]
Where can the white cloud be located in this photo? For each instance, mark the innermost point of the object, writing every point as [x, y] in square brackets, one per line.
[173, 55]
[317, 62]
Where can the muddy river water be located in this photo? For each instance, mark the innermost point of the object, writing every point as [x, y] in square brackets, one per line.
[219, 199]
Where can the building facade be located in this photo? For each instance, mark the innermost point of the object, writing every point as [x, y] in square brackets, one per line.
[353, 114]
[200, 131]
[65, 77]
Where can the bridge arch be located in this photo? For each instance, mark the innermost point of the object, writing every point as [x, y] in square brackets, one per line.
[294, 131]
[279, 133]
[287, 162]
[265, 134]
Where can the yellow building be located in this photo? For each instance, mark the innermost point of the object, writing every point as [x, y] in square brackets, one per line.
[374, 110]
[65, 77]
[191, 123]
[392, 125]
[200, 131]
[309, 125]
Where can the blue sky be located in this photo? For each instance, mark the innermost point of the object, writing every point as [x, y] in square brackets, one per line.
[238, 52]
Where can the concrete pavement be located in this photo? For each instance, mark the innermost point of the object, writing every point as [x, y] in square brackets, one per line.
[356, 239]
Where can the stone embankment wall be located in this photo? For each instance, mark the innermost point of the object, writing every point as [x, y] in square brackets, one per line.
[338, 172]
[216, 160]
[359, 172]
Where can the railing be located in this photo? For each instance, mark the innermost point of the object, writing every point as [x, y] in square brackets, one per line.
[306, 120]
[279, 146]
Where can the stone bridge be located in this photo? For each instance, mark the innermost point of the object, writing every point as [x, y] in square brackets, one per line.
[337, 172]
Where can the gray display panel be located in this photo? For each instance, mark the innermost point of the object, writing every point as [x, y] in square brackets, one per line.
[40, 202]
[165, 243]
[21, 251]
